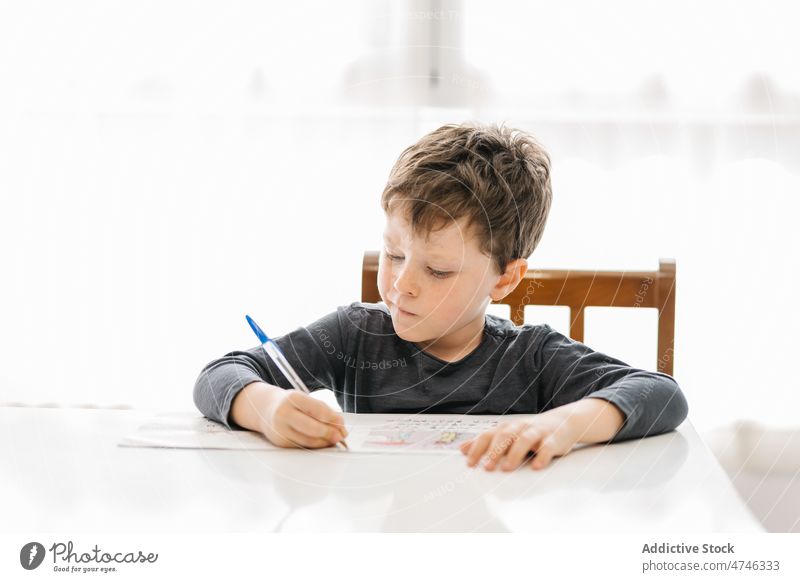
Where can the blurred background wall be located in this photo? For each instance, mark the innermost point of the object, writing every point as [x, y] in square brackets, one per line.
[167, 167]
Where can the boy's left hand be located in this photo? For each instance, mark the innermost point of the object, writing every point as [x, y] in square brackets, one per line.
[510, 442]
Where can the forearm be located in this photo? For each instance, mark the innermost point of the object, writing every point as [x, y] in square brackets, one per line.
[249, 406]
[221, 381]
[595, 420]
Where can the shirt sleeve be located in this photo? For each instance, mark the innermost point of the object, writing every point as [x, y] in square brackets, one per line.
[314, 351]
[652, 402]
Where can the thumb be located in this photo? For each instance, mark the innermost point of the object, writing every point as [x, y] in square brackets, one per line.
[314, 407]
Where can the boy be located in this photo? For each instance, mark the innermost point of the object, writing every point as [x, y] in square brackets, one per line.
[465, 206]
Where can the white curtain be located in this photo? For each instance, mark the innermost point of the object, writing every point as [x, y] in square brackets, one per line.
[166, 167]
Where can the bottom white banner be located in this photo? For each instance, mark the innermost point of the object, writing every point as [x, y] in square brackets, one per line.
[396, 556]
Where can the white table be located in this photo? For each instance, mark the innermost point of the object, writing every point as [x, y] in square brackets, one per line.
[63, 471]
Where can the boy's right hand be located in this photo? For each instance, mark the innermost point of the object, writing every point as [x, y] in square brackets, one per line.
[295, 419]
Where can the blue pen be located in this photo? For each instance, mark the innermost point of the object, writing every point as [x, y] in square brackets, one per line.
[274, 352]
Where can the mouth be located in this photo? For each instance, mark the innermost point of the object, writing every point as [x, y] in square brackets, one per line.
[404, 312]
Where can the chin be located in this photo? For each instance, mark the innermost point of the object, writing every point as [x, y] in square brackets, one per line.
[403, 333]
[407, 333]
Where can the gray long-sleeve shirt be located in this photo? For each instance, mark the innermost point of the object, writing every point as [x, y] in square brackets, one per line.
[355, 352]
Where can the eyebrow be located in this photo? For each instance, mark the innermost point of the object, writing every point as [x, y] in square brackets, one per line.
[435, 256]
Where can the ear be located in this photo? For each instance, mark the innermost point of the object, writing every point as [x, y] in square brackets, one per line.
[515, 271]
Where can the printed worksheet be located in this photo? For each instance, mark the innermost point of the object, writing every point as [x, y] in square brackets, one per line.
[187, 430]
[419, 433]
[368, 433]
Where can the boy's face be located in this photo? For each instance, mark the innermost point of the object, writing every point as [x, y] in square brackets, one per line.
[438, 287]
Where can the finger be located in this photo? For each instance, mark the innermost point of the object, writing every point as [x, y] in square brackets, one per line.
[313, 407]
[479, 445]
[317, 409]
[305, 441]
[502, 440]
[311, 427]
[544, 454]
[285, 436]
[465, 446]
[527, 441]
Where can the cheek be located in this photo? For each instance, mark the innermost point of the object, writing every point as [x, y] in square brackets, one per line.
[384, 280]
[458, 298]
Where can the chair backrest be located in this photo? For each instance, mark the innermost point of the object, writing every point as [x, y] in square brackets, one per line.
[578, 290]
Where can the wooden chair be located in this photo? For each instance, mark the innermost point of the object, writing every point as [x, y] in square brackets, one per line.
[578, 290]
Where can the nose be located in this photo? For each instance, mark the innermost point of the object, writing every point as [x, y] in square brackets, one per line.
[405, 283]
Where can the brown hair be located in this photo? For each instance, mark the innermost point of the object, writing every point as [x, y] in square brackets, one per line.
[496, 176]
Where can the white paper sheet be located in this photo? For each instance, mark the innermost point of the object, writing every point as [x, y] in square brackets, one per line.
[382, 433]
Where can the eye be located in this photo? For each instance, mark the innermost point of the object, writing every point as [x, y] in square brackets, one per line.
[439, 274]
[392, 257]
[434, 272]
